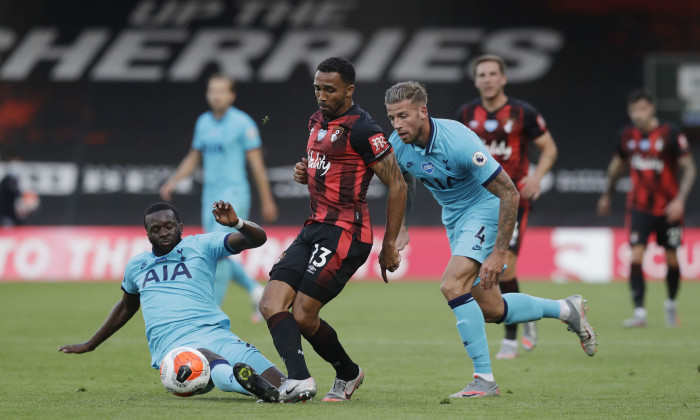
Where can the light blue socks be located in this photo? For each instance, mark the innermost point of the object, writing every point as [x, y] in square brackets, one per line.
[470, 325]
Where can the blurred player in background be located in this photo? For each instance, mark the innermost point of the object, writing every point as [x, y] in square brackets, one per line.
[479, 210]
[507, 126]
[175, 285]
[16, 203]
[225, 138]
[345, 149]
[653, 151]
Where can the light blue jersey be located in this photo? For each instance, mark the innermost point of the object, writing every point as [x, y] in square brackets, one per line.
[177, 292]
[455, 167]
[223, 144]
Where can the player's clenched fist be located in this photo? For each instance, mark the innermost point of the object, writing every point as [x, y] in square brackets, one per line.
[300, 172]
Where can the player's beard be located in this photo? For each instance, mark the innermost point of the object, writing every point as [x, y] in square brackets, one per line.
[162, 250]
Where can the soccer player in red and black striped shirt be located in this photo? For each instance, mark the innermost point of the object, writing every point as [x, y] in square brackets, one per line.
[507, 126]
[654, 151]
[345, 149]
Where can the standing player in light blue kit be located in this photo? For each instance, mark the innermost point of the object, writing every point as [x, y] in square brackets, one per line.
[224, 139]
[479, 207]
[174, 285]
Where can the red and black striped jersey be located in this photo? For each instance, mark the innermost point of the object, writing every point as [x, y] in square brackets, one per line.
[653, 161]
[341, 153]
[506, 132]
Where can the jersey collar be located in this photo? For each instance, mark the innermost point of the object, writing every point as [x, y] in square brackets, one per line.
[431, 139]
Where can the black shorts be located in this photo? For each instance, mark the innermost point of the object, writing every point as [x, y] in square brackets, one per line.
[668, 235]
[320, 261]
[519, 230]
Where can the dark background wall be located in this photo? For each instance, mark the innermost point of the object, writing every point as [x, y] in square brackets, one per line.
[100, 100]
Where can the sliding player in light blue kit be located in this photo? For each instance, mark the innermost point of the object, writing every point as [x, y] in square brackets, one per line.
[479, 207]
[224, 139]
[174, 286]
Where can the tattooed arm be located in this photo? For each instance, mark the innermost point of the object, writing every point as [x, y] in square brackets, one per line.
[402, 239]
[503, 188]
[388, 172]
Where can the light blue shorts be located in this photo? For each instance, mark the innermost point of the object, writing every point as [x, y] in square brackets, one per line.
[473, 237]
[224, 343]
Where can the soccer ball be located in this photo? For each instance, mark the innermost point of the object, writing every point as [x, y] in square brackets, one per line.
[185, 371]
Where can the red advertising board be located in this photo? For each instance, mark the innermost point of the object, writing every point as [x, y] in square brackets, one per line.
[595, 255]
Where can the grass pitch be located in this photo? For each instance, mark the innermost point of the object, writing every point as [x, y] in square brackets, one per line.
[402, 334]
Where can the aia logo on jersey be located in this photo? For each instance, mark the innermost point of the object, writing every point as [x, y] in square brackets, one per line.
[335, 135]
[379, 144]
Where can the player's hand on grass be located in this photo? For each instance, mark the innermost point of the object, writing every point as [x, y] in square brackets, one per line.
[224, 213]
[76, 348]
[492, 268]
[674, 210]
[402, 238]
[300, 171]
[604, 205]
[389, 259]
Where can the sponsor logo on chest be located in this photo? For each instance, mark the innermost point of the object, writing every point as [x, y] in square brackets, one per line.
[317, 161]
[499, 148]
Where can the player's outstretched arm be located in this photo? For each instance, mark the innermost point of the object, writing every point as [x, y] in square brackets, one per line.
[403, 238]
[388, 172]
[117, 318]
[503, 188]
[267, 201]
[548, 155]
[676, 208]
[249, 234]
[187, 166]
[616, 168]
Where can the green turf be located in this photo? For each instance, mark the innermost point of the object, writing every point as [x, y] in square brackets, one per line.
[402, 334]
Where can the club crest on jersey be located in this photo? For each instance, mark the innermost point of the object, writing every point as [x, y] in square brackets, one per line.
[336, 134]
[479, 158]
[491, 125]
[508, 126]
[659, 145]
[473, 124]
[644, 145]
[427, 167]
[321, 134]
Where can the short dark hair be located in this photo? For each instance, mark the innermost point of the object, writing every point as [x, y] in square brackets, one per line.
[225, 77]
[158, 207]
[638, 95]
[339, 65]
[489, 57]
